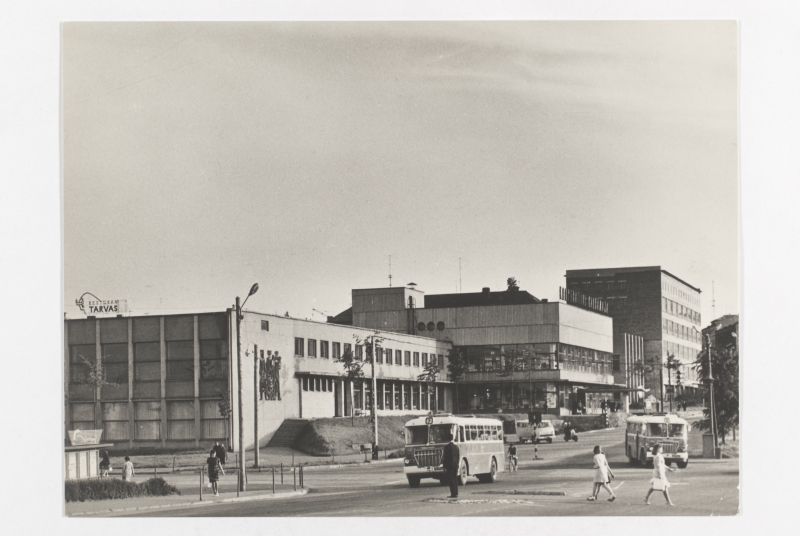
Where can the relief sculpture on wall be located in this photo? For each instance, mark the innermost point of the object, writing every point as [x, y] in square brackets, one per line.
[270, 376]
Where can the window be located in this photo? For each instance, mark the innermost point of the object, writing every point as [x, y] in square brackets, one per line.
[425, 395]
[424, 360]
[416, 359]
[324, 385]
[388, 353]
[441, 362]
[407, 362]
[265, 325]
[387, 395]
[323, 349]
[360, 352]
[397, 395]
[398, 358]
[312, 348]
[407, 395]
[298, 347]
[379, 357]
[379, 394]
[337, 350]
[439, 397]
[317, 386]
[348, 348]
[180, 361]
[305, 383]
[615, 364]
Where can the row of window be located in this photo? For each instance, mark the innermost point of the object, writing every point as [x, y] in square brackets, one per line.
[308, 348]
[676, 309]
[679, 330]
[523, 357]
[688, 296]
[390, 395]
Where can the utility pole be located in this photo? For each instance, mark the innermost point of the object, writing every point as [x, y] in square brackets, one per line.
[242, 485]
[255, 402]
[669, 380]
[661, 375]
[374, 397]
[253, 290]
[713, 410]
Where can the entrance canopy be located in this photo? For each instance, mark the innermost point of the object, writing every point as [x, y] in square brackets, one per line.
[612, 389]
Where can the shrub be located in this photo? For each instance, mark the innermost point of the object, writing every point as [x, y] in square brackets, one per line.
[114, 488]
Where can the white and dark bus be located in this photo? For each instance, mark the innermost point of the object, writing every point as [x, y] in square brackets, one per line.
[480, 442]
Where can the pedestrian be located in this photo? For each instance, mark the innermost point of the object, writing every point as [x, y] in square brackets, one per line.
[602, 475]
[221, 452]
[105, 463]
[684, 406]
[512, 456]
[603, 405]
[659, 481]
[451, 460]
[214, 470]
[127, 470]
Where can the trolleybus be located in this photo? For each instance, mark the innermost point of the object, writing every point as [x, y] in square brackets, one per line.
[480, 442]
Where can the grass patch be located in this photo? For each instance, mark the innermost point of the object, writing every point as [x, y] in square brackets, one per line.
[323, 437]
[113, 488]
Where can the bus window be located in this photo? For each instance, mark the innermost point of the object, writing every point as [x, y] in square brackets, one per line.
[473, 432]
[494, 433]
[676, 430]
[481, 433]
[417, 435]
[657, 429]
[461, 433]
[440, 433]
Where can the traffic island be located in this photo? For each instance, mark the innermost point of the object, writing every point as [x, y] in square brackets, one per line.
[517, 492]
[479, 501]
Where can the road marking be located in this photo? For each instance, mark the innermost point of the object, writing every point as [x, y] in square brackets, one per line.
[481, 501]
[393, 482]
[620, 484]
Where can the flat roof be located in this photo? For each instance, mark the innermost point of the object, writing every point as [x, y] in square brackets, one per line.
[607, 272]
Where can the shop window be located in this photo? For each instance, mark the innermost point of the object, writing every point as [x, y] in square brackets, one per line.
[406, 395]
[305, 383]
[387, 395]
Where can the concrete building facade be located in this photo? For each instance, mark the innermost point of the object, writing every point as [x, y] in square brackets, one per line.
[653, 304]
[169, 379]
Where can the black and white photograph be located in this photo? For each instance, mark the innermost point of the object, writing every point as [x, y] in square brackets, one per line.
[488, 267]
[428, 264]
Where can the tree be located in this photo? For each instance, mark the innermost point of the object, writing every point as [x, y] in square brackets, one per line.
[428, 377]
[225, 411]
[725, 371]
[95, 377]
[671, 364]
[513, 284]
[352, 370]
[456, 367]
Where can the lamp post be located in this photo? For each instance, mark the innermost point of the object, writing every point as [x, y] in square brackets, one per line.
[253, 290]
[710, 379]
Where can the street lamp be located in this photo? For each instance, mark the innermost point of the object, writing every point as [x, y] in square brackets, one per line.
[253, 290]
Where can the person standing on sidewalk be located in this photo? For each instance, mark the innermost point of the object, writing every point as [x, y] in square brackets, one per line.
[105, 464]
[602, 475]
[659, 481]
[221, 452]
[127, 470]
[451, 460]
[214, 470]
[512, 457]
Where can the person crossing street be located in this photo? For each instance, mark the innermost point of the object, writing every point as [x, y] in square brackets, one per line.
[451, 460]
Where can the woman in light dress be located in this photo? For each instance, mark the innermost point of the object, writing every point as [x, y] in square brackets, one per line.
[659, 481]
[601, 475]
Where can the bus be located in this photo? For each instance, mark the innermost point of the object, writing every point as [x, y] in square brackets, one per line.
[480, 442]
[643, 432]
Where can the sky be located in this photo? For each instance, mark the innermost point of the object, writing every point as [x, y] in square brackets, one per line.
[199, 158]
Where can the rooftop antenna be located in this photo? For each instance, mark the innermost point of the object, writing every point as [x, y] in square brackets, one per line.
[713, 303]
[390, 271]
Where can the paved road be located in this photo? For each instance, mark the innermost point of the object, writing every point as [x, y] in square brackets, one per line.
[706, 487]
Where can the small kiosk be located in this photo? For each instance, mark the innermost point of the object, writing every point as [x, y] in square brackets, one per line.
[81, 458]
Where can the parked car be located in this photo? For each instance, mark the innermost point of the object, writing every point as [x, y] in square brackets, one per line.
[544, 431]
[525, 431]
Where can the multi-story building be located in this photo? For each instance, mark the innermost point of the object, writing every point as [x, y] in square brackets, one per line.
[170, 378]
[522, 354]
[655, 305]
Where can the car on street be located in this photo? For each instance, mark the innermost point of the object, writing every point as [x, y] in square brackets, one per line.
[544, 431]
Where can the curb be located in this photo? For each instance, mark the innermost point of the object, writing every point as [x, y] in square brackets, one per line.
[338, 465]
[285, 495]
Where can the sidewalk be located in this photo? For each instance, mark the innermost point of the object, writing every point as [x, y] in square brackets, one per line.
[259, 487]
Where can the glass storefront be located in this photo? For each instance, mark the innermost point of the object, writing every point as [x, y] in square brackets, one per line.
[508, 358]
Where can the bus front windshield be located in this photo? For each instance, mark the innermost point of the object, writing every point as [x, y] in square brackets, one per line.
[422, 435]
[661, 429]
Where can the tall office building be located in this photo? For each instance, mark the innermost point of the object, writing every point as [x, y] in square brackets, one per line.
[653, 304]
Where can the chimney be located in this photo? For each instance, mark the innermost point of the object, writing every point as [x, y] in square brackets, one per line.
[486, 293]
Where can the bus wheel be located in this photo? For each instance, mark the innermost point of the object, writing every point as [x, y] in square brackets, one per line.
[491, 476]
[413, 481]
[463, 471]
[682, 465]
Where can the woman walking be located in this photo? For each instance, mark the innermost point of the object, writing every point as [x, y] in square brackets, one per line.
[105, 464]
[214, 470]
[659, 481]
[127, 470]
[602, 475]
